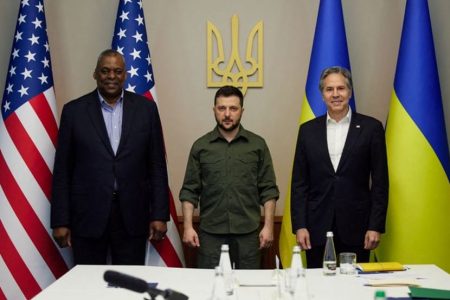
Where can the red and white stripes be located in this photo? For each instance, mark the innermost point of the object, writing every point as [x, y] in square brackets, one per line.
[29, 257]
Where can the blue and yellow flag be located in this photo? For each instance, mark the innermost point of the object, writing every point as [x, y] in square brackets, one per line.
[329, 49]
[418, 156]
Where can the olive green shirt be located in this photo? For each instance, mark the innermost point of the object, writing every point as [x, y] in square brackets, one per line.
[229, 181]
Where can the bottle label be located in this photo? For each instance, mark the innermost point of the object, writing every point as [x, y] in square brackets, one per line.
[329, 267]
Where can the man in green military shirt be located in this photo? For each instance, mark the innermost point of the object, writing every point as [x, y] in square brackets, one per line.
[229, 175]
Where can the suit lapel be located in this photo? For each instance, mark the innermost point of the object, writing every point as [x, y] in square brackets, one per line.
[96, 116]
[354, 131]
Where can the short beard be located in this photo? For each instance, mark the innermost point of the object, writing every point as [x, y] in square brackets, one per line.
[233, 127]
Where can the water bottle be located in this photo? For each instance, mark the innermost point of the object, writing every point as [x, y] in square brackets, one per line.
[297, 278]
[329, 256]
[218, 292]
[225, 266]
[296, 262]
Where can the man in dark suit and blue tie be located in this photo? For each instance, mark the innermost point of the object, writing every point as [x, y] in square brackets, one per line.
[340, 176]
[110, 190]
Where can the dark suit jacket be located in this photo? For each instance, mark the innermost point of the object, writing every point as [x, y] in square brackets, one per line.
[85, 168]
[356, 195]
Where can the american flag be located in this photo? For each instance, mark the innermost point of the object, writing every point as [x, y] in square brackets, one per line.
[130, 39]
[29, 259]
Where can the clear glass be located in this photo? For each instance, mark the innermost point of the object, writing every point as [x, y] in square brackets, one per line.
[218, 292]
[347, 263]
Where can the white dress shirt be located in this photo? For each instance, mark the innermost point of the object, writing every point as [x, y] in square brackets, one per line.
[336, 136]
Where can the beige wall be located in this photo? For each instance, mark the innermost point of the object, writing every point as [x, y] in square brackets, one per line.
[79, 30]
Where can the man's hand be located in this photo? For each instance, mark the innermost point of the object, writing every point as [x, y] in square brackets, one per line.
[62, 237]
[302, 238]
[158, 230]
[266, 237]
[266, 234]
[190, 237]
[372, 239]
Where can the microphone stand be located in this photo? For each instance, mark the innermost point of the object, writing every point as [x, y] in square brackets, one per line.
[168, 294]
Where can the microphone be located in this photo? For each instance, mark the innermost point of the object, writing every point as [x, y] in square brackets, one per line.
[126, 281]
[140, 286]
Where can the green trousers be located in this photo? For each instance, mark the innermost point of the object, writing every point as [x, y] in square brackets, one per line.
[244, 250]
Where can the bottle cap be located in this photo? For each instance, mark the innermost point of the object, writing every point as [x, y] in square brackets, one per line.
[329, 233]
[296, 248]
[380, 294]
[224, 247]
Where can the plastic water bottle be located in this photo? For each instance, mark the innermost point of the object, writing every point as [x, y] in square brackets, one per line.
[224, 260]
[218, 292]
[296, 262]
[225, 266]
[329, 256]
[297, 278]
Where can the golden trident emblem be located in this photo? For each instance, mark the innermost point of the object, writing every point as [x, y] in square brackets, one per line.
[235, 72]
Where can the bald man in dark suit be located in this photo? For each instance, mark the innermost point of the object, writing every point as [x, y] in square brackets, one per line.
[110, 190]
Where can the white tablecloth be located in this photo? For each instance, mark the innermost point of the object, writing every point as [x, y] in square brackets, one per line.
[86, 282]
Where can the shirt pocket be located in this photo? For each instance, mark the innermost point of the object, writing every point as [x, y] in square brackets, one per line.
[247, 169]
[211, 169]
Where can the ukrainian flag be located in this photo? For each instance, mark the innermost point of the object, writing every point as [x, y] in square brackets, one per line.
[329, 49]
[418, 223]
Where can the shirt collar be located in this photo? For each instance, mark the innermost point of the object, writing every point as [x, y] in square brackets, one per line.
[345, 119]
[103, 101]
[215, 134]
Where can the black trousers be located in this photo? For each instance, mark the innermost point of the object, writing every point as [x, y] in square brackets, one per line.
[115, 245]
